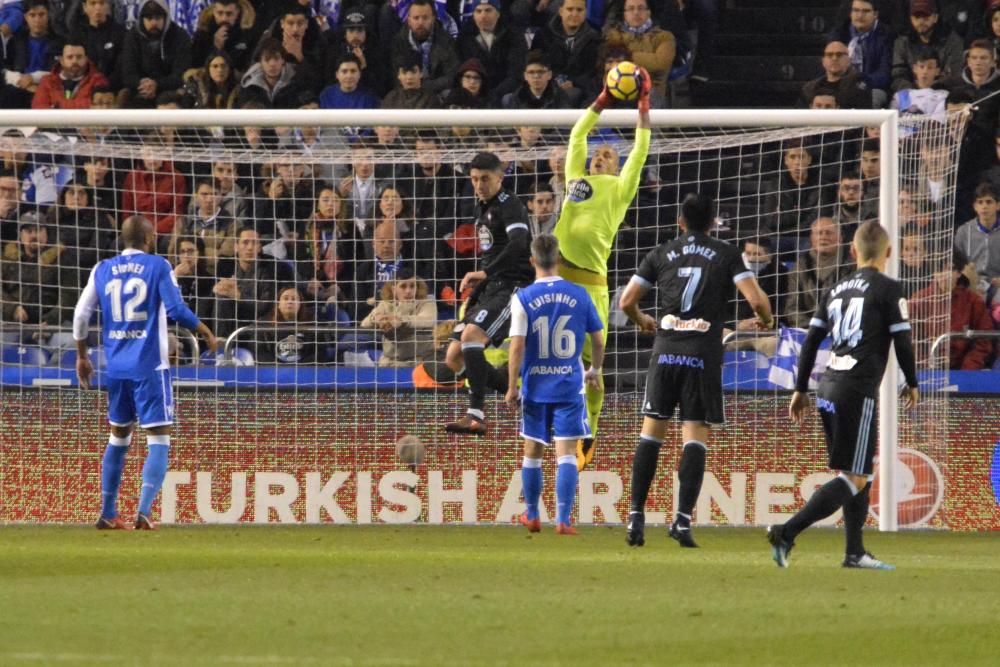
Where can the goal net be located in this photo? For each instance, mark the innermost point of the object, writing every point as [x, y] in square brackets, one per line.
[328, 251]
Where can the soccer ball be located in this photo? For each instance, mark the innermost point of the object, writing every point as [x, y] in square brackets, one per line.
[624, 81]
[410, 450]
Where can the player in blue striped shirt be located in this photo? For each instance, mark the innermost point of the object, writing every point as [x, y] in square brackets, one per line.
[136, 293]
[549, 320]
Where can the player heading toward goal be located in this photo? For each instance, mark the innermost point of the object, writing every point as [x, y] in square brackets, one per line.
[550, 320]
[864, 314]
[591, 214]
[693, 275]
[136, 293]
[504, 238]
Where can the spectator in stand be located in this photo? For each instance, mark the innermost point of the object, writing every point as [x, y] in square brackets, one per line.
[405, 315]
[434, 184]
[823, 98]
[39, 283]
[978, 241]
[919, 94]
[102, 37]
[541, 203]
[849, 87]
[360, 188]
[651, 47]
[194, 278]
[925, 32]
[88, 233]
[388, 146]
[410, 92]
[816, 270]
[772, 276]
[214, 86]
[155, 56]
[11, 18]
[355, 38]
[499, 48]
[334, 248]
[230, 27]
[94, 173]
[434, 48]
[850, 207]
[394, 207]
[977, 82]
[249, 284]
[284, 345]
[271, 81]
[914, 269]
[154, 190]
[469, 90]
[71, 82]
[209, 222]
[10, 205]
[792, 202]
[538, 91]
[991, 27]
[571, 46]
[869, 46]
[870, 162]
[347, 93]
[303, 46]
[968, 311]
[372, 274]
[36, 48]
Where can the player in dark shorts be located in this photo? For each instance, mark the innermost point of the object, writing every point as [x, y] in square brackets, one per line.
[693, 275]
[505, 240]
[864, 314]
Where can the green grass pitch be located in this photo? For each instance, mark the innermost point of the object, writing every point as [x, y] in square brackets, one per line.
[415, 595]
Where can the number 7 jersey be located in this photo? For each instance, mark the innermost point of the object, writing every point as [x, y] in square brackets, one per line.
[136, 293]
[861, 314]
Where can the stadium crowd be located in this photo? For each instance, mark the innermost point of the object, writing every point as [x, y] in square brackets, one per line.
[381, 245]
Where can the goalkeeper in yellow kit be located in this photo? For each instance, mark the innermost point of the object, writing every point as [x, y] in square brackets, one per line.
[592, 212]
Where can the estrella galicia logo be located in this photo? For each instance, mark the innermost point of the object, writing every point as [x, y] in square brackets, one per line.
[579, 191]
[995, 473]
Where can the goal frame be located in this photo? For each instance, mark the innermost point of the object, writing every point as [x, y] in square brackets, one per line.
[886, 120]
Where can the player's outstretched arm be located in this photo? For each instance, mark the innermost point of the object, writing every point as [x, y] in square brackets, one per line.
[755, 296]
[211, 342]
[629, 303]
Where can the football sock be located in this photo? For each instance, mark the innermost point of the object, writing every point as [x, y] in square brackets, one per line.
[855, 515]
[690, 472]
[477, 372]
[153, 471]
[531, 483]
[595, 401]
[566, 479]
[647, 453]
[825, 501]
[495, 379]
[111, 474]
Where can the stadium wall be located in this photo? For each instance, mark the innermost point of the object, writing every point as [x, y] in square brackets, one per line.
[238, 457]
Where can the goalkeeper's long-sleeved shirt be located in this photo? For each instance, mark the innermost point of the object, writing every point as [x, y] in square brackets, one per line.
[595, 205]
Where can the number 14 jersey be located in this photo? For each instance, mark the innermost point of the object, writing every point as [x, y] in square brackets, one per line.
[861, 313]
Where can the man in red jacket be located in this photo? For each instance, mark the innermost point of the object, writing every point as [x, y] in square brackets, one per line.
[968, 311]
[70, 83]
[154, 189]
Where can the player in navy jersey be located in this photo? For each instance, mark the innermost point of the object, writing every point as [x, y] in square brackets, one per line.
[504, 267]
[550, 320]
[864, 314]
[693, 275]
[136, 293]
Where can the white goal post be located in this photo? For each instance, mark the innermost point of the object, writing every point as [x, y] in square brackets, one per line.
[887, 122]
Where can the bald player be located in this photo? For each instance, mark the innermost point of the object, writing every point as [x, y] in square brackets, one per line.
[593, 211]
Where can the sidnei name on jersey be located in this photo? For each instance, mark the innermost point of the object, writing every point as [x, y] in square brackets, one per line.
[127, 267]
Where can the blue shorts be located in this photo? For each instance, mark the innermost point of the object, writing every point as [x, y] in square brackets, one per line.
[545, 422]
[149, 399]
